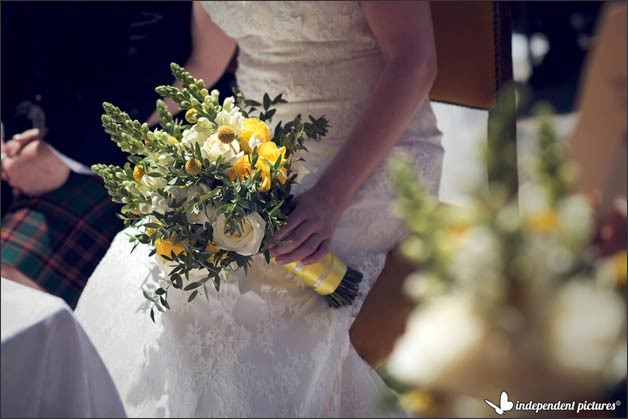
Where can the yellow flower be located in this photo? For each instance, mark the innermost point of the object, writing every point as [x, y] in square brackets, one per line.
[240, 169]
[270, 151]
[453, 237]
[191, 115]
[165, 247]
[620, 260]
[543, 222]
[253, 127]
[418, 402]
[226, 134]
[263, 167]
[193, 167]
[174, 139]
[211, 247]
[138, 173]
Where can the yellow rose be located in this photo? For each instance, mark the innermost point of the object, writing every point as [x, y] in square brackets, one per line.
[253, 127]
[240, 169]
[211, 247]
[270, 151]
[165, 247]
[263, 167]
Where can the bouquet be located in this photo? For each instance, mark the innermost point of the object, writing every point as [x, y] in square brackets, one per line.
[208, 193]
[512, 296]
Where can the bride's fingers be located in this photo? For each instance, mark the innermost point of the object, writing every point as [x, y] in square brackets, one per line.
[293, 240]
[307, 248]
[295, 219]
[316, 256]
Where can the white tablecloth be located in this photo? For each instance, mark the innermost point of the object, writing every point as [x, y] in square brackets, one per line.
[49, 366]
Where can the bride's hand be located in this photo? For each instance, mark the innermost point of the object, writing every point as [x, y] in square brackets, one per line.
[309, 228]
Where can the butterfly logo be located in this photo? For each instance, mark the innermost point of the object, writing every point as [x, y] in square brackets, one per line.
[504, 404]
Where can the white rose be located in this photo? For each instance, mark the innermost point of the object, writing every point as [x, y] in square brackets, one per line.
[214, 148]
[197, 134]
[196, 215]
[247, 242]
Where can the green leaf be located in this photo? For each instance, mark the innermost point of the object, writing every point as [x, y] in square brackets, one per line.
[193, 285]
[192, 296]
[152, 315]
[266, 101]
[160, 291]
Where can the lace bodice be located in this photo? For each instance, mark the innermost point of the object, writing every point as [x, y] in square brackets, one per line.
[276, 350]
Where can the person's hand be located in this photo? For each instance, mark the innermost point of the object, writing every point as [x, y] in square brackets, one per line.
[13, 148]
[31, 167]
[309, 228]
[611, 229]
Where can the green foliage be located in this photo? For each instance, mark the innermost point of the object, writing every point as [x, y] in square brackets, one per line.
[160, 196]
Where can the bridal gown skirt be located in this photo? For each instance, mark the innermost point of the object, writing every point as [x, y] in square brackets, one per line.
[275, 350]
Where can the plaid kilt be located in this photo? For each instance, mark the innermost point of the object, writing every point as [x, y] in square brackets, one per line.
[57, 239]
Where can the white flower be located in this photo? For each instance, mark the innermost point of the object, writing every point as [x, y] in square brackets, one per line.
[206, 214]
[214, 148]
[439, 335]
[247, 242]
[254, 142]
[477, 264]
[586, 325]
[153, 183]
[575, 220]
[198, 133]
[230, 116]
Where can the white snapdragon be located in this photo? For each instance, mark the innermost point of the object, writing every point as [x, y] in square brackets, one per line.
[198, 133]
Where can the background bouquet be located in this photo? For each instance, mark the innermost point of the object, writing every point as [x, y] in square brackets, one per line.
[210, 194]
[512, 296]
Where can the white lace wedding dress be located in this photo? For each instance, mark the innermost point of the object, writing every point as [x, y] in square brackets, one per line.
[277, 350]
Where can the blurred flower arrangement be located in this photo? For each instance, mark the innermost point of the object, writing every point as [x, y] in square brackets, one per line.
[511, 296]
[209, 195]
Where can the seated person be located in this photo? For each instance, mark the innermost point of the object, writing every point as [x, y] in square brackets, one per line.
[57, 219]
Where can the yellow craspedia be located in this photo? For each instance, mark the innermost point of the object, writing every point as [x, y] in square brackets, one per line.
[191, 115]
[174, 140]
[240, 169]
[193, 167]
[226, 134]
[418, 402]
[138, 173]
[253, 127]
[165, 248]
[543, 222]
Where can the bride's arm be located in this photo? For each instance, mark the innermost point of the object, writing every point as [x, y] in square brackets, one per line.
[403, 31]
[211, 53]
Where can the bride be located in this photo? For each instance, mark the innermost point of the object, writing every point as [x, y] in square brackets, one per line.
[264, 345]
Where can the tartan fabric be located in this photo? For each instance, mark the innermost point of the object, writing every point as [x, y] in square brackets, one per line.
[57, 239]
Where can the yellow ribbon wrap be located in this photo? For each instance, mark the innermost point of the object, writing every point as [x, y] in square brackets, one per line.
[324, 276]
